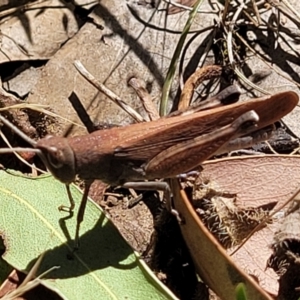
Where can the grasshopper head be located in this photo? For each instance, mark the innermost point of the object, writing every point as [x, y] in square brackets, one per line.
[58, 157]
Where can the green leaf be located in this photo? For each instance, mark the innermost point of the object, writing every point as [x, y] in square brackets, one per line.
[105, 267]
[175, 58]
[240, 292]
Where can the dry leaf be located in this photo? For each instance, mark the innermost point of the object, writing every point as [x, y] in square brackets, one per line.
[38, 32]
[212, 262]
[256, 181]
[285, 257]
[115, 47]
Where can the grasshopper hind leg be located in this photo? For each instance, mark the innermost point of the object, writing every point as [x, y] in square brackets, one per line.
[157, 186]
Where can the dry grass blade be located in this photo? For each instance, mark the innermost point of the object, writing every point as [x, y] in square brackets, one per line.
[15, 151]
[253, 16]
[258, 55]
[175, 58]
[38, 108]
[30, 281]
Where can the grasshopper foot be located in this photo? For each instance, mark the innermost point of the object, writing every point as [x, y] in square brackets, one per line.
[70, 208]
[66, 208]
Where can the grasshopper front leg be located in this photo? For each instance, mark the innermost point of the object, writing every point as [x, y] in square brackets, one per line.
[81, 211]
[71, 200]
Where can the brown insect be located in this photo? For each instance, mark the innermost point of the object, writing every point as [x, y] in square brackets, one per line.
[159, 149]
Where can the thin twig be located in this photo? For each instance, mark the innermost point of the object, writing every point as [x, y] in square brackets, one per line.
[103, 89]
[250, 83]
[276, 4]
[229, 34]
[264, 61]
[29, 282]
[254, 5]
[291, 8]
[39, 108]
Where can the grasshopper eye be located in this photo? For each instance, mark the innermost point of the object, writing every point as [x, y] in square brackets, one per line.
[54, 157]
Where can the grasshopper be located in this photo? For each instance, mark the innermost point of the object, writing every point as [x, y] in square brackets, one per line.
[163, 148]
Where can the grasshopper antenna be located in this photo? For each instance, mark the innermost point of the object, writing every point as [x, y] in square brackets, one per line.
[23, 136]
[18, 131]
